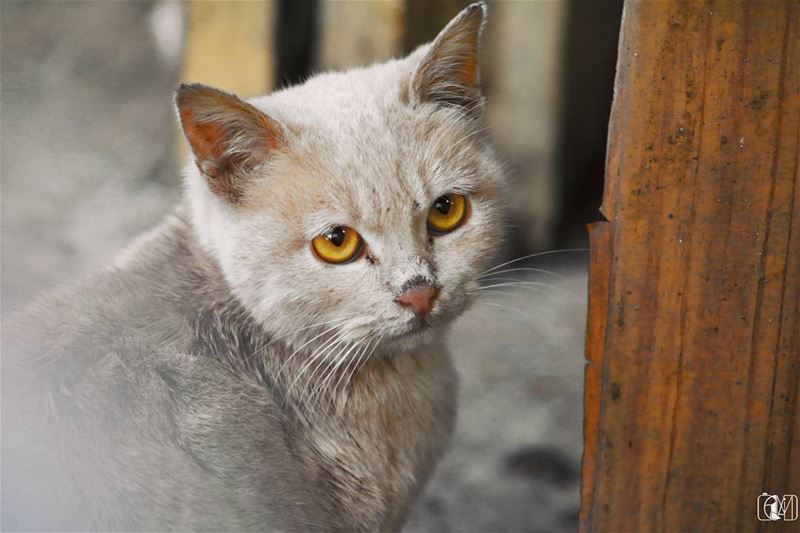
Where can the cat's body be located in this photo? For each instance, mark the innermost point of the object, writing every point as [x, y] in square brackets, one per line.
[271, 357]
[219, 452]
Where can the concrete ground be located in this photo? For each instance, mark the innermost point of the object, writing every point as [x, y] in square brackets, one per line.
[87, 139]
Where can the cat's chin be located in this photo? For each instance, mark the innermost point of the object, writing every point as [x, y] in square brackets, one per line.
[409, 341]
[414, 338]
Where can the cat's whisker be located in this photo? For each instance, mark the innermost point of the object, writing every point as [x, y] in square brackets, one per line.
[484, 318]
[499, 292]
[327, 357]
[288, 359]
[367, 343]
[330, 370]
[498, 279]
[499, 296]
[497, 334]
[521, 269]
[532, 256]
[338, 339]
[304, 328]
[332, 365]
[517, 283]
[264, 347]
[347, 360]
[361, 362]
[494, 297]
[329, 364]
[515, 310]
[526, 284]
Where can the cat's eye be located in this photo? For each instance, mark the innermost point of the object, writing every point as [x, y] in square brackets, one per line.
[447, 213]
[338, 245]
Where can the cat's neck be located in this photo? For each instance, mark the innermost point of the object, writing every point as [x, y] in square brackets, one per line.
[369, 431]
[376, 447]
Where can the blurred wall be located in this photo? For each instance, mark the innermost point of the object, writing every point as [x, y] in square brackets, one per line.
[524, 52]
[86, 137]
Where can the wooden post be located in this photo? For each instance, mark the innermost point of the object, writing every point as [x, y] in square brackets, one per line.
[691, 407]
[230, 45]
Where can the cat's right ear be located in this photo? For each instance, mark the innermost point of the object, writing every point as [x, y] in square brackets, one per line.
[449, 73]
[228, 137]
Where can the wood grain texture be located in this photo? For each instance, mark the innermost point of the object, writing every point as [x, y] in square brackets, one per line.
[694, 324]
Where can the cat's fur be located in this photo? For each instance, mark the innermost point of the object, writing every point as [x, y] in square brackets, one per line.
[219, 376]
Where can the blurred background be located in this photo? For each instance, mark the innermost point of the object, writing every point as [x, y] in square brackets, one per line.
[90, 153]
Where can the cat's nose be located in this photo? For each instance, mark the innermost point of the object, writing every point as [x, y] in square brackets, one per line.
[419, 299]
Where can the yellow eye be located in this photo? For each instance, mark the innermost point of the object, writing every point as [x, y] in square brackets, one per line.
[339, 245]
[447, 213]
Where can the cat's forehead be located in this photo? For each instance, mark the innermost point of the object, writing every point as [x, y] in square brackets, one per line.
[365, 151]
[384, 172]
[374, 182]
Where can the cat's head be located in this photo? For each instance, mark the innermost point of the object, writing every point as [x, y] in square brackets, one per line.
[365, 201]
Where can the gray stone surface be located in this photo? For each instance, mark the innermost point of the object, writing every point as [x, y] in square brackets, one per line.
[87, 144]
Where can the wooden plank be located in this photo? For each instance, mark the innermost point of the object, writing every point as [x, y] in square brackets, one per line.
[230, 45]
[360, 33]
[694, 328]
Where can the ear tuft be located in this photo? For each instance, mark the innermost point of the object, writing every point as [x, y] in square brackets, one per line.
[449, 73]
[228, 136]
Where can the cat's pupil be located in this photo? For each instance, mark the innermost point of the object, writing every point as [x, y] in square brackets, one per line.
[442, 204]
[336, 235]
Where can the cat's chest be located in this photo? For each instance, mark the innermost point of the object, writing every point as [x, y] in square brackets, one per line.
[380, 447]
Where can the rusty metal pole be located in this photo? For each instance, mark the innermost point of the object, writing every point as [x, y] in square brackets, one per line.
[691, 408]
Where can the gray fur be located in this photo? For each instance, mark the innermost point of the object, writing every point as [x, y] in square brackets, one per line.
[196, 384]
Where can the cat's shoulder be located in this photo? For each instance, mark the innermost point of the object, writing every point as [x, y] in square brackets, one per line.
[115, 326]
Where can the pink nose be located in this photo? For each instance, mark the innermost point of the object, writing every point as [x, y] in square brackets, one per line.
[420, 300]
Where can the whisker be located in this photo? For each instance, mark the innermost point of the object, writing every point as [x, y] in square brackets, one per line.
[368, 342]
[332, 361]
[340, 319]
[531, 256]
[339, 338]
[483, 317]
[329, 357]
[515, 310]
[261, 349]
[348, 361]
[521, 269]
[361, 362]
[330, 371]
[280, 370]
[520, 284]
[482, 295]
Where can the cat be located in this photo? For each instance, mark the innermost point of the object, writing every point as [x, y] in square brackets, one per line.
[270, 357]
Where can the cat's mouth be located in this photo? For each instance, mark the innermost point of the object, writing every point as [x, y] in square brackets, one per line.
[410, 332]
[413, 327]
[410, 337]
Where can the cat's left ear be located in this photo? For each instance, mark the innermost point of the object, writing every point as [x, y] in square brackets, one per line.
[228, 137]
[449, 73]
